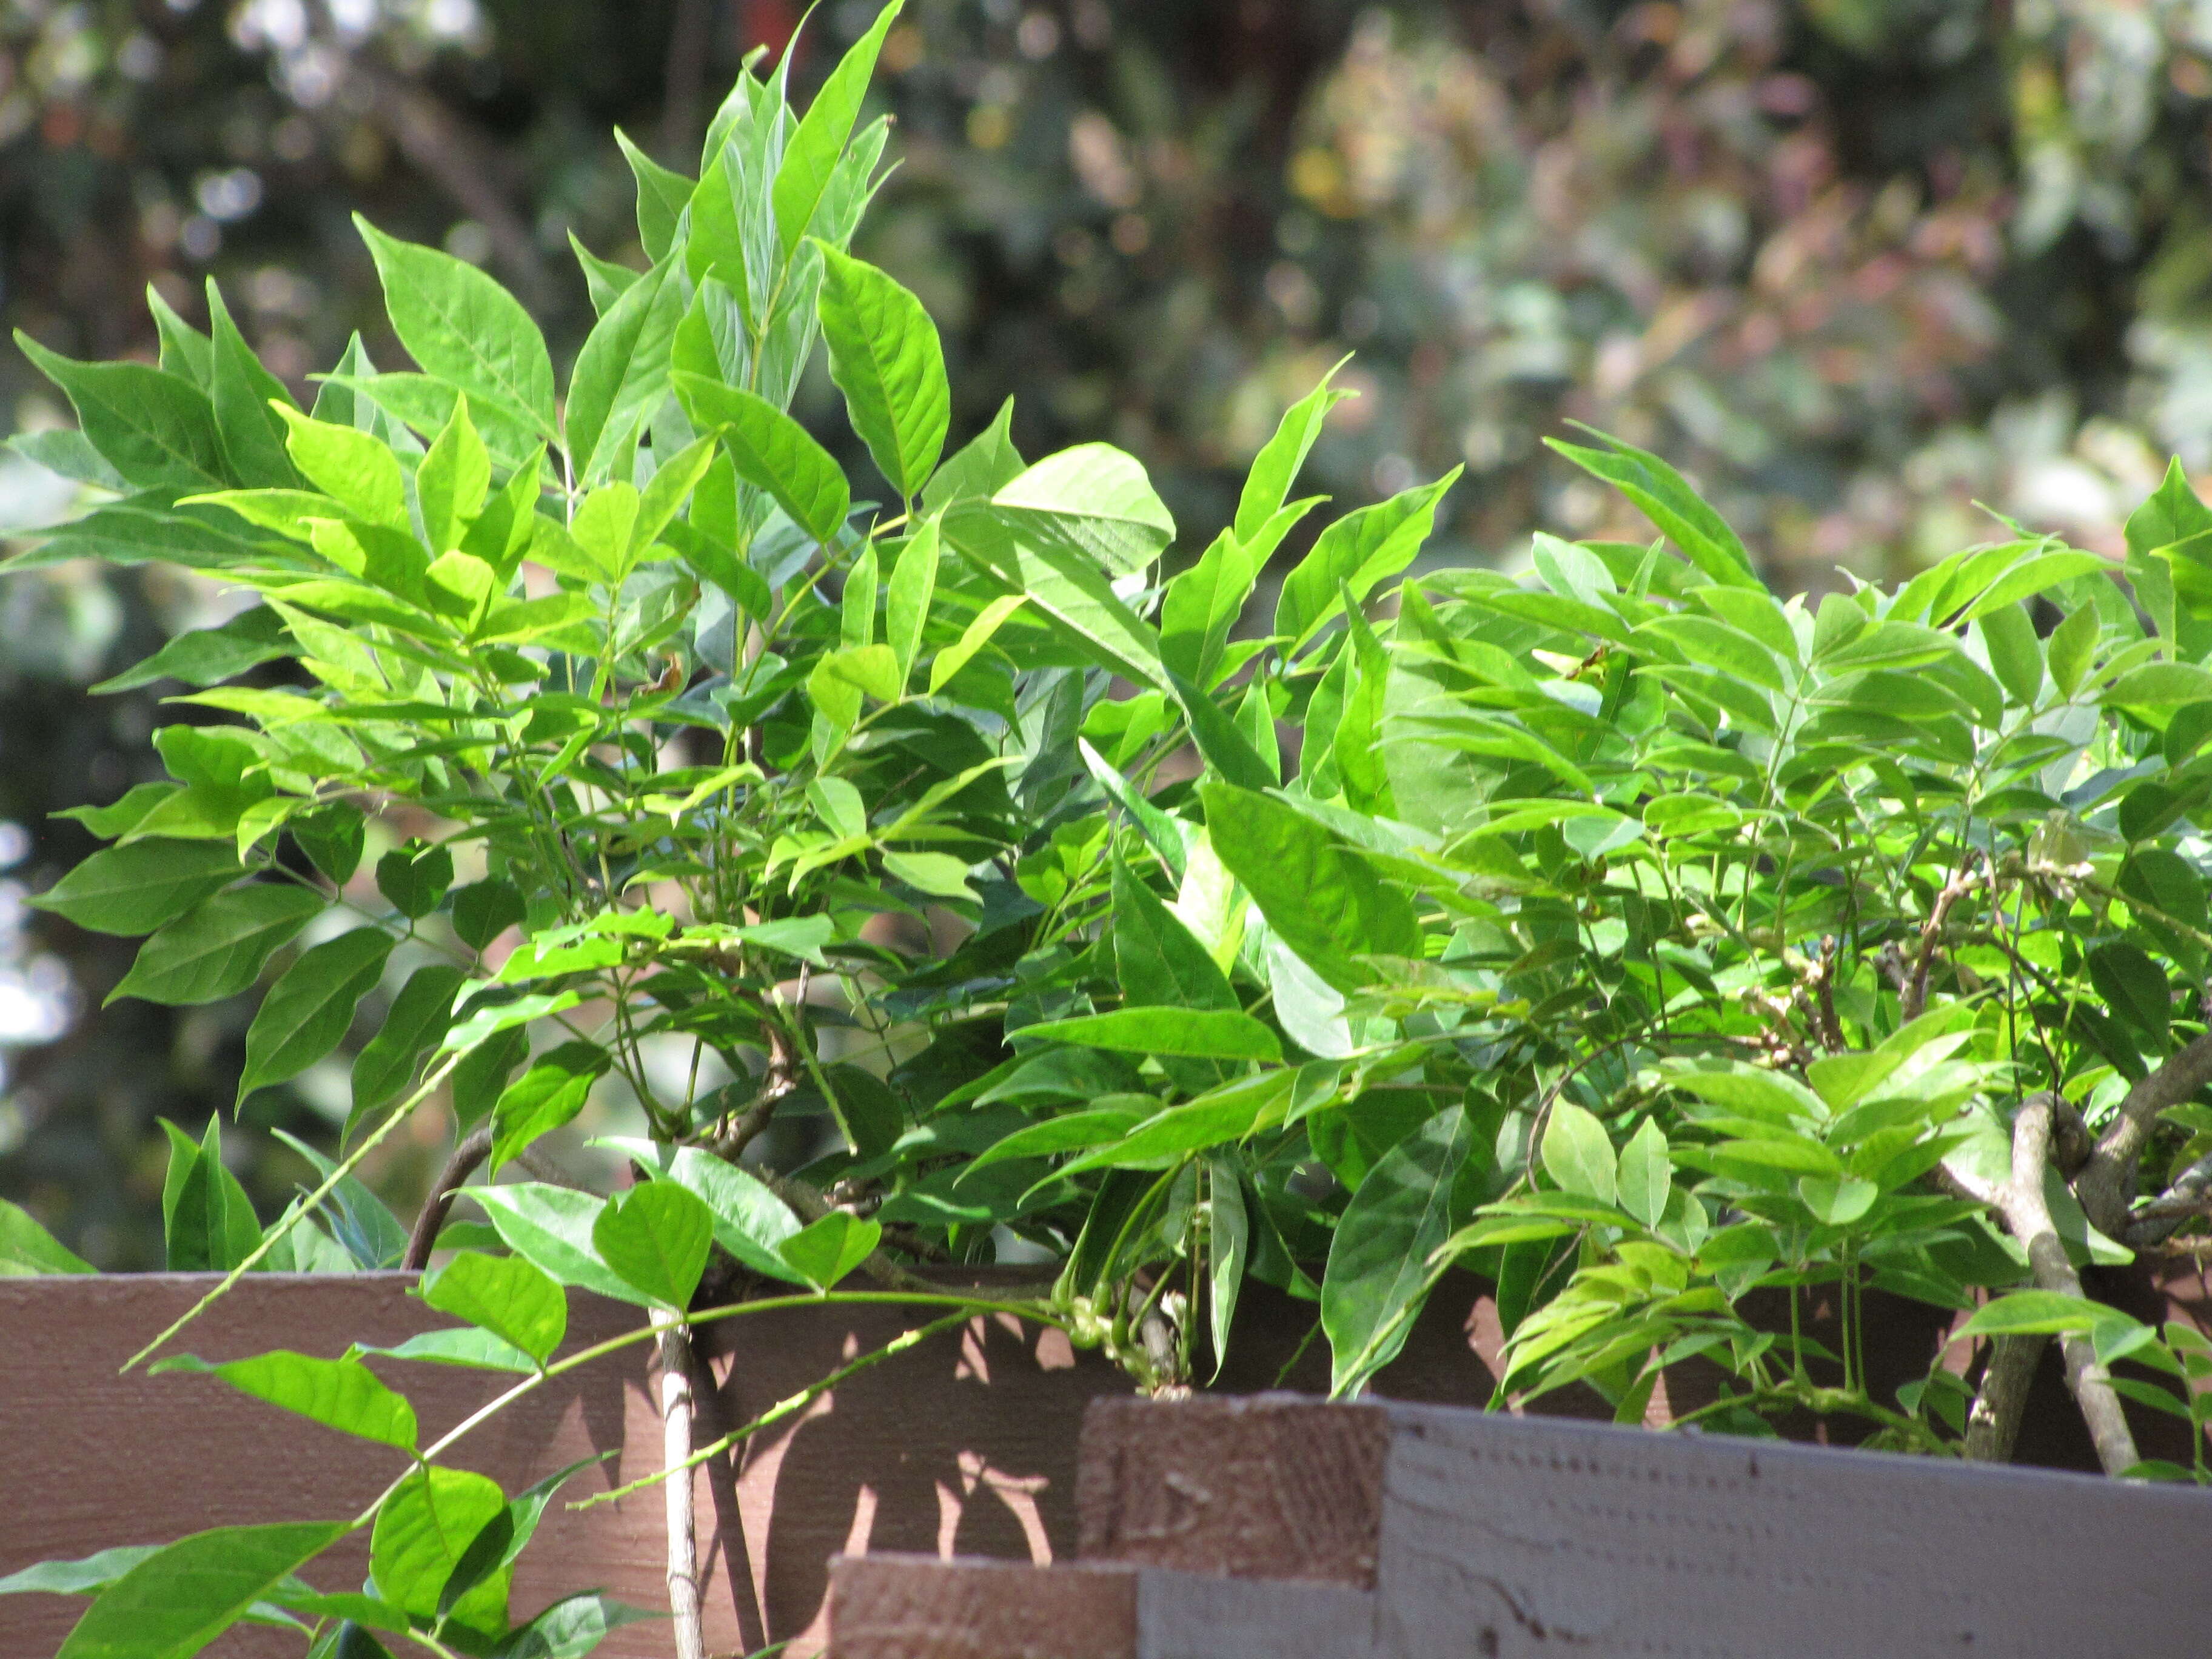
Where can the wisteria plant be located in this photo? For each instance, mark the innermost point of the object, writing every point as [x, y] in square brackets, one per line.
[1617, 929]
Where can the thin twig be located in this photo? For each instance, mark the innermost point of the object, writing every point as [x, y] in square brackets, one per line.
[475, 1147]
[1824, 998]
[281, 1230]
[783, 1408]
[1913, 1001]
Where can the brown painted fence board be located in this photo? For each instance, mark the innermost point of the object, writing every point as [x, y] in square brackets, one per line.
[965, 1445]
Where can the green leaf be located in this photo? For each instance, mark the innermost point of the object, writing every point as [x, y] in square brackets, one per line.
[978, 468]
[68, 453]
[1357, 552]
[339, 1393]
[1838, 1203]
[1378, 1262]
[216, 949]
[663, 193]
[420, 1015]
[2015, 653]
[2134, 987]
[463, 327]
[185, 352]
[1267, 486]
[771, 451]
[355, 468]
[1226, 750]
[1320, 895]
[2030, 1312]
[78, 1578]
[1158, 962]
[136, 887]
[1228, 1113]
[358, 1218]
[207, 655]
[823, 1252]
[485, 909]
[483, 1024]
[1670, 503]
[570, 1628]
[1228, 1244]
[309, 1010]
[907, 599]
[413, 878]
[1192, 1033]
[453, 480]
[504, 1295]
[332, 836]
[242, 391]
[1070, 1131]
[1068, 589]
[949, 661]
[183, 1596]
[28, 1250]
[749, 1220]
[157, 430]
[1645, 1175]
[2073, 648]
[1752, 1092]
[656, 1237]
[886, 358]
[551, 1227]
[423, 1532]
[1578, 1153]
[2172, 513]
[1201, 605]
[208, 1222]
[480, 1077]
[463, 1345]
[622, 373]
[1093, 501]
[2158, 684]
[810, 161]
[549, 1094]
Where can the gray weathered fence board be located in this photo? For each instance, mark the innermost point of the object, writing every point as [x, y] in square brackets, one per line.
[1490, 1534]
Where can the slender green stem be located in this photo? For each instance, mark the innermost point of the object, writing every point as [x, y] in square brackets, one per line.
[784, 1407]
[281, 1231]
[1036, 1312]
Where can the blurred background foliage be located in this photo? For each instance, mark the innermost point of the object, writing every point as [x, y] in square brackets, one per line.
[1858, 265]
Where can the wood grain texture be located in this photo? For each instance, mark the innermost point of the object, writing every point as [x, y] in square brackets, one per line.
[1193, 1616]
[1524, 1537]
[1501, 1535]
[1270, 1486]
[966, 1444]
[907, 1607]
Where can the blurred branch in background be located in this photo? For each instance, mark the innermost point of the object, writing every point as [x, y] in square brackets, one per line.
[1856, 264]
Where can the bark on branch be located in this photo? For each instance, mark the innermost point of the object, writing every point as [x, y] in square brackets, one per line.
[2190, 1195]
[1993, 1424]
[2106, 1183]
[2020, 1204]
[475, 1147]
[675, 1412]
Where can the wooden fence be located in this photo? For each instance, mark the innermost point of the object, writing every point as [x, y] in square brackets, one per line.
[1279, 1527]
